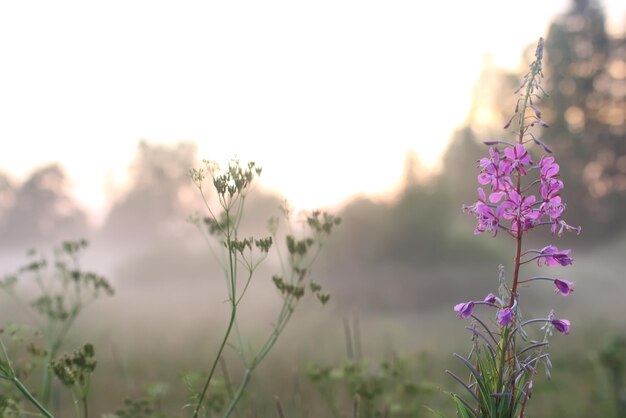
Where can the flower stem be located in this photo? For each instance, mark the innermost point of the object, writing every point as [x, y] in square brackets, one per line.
[18, 384]
[217, 357]
[239, 393]
[233, 312]
[520, 140]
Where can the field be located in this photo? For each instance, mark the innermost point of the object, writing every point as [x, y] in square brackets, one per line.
[149, 335]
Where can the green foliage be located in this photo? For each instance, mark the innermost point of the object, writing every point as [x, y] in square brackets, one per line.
[242, 257]
[9, 406]
[76, 368]
[612, 357]
[74, 371]
[63, 290]
[385, 387]
[217, 397]
[136, 409]
[144, 408]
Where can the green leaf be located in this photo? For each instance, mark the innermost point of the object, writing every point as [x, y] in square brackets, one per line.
[462, 409]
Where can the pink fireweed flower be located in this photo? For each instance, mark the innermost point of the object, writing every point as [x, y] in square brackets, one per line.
[495, 172]
[553, 207]
[519, 157]
[491, 298]
[488, 218]
[551, 256]
[464, 309]
[550, 184]
[561, 325]
[493, 160]
[564, 226]
[563, 287]
[550, 188]
[505, 317]
[548, 168]
[520, 208]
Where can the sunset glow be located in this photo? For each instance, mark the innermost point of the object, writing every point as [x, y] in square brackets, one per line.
[328, 96]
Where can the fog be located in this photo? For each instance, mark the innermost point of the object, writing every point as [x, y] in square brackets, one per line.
[394, 267]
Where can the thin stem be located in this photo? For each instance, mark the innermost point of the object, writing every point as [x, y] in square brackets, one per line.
[214, 366]
[518, 254]
[85, 408]
[52, 348]
[243, 292]
[31, 398]
[47, 377]
[551, 279]
[6, 356]
[280, 326]
[532, 375]
[84, 393]
[76, 405]
[226, 375]
[239, 393]
[233, 313]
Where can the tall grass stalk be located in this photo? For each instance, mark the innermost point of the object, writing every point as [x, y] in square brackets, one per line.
[243, 257]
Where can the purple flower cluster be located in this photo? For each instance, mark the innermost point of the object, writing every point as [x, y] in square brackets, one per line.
[509, 207]
[508, 201]
[506, 314]
[519, 190]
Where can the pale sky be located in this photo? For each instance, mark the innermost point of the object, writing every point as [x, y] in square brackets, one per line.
[328, 95]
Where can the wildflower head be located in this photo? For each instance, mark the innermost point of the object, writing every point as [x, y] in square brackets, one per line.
[518, 157]
[464, 310]
[551, 256]
[516, 194]
[490, 299]
[505, 317]
[563, 287]
[561, 325]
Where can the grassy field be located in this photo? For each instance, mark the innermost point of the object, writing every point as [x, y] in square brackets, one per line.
[147, 337]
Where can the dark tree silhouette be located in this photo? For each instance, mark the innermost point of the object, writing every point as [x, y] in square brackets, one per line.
[158, 199]
[41, 211]
[586, 80]
[587, 83]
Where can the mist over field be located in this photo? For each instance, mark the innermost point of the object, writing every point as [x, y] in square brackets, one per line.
[395, 266]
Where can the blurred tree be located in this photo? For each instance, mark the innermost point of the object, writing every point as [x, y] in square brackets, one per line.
[492, 100]
[158, 197]
[7, 196]
[492, 106]
[460, 171]
[586, 78]
[40, 211]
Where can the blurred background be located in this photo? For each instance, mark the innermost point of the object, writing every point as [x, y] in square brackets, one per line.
[375, 112]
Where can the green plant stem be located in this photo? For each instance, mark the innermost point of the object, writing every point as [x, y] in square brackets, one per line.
[532, 375]
[47, 377]
[327, 396]
[233, 315]
[283, 318]
[242, 387]
[76, 405]
[280, 326]
[18, 384]
[518, 242]
[518, 235]
[216, 361]
[84, 393]
[52, 348]
[85, 408]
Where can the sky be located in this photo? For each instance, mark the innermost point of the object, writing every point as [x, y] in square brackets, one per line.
[327, 95]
